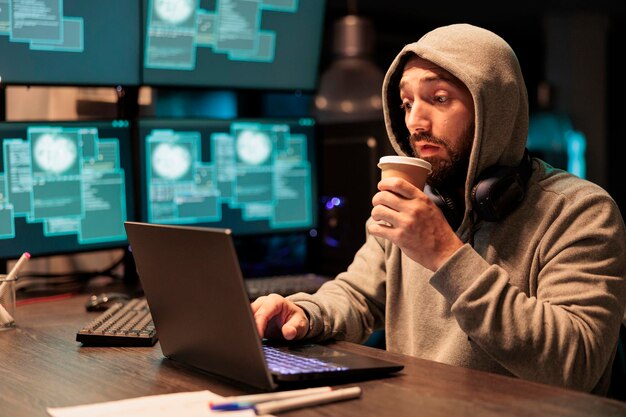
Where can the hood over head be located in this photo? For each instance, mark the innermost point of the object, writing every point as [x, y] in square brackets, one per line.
[489, 68]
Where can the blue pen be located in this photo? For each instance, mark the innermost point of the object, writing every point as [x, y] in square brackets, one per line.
[235, 406]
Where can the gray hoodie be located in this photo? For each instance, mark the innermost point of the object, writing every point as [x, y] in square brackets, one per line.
[539, 295]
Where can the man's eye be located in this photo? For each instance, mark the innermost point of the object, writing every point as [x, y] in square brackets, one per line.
[441, 99]
[406, 106]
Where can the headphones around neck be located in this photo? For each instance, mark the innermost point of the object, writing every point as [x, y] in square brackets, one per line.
[496, 193]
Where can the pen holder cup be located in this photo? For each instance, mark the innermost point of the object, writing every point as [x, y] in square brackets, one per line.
[7, 302]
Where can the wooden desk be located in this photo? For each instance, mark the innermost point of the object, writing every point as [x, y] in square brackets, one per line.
[42, 366]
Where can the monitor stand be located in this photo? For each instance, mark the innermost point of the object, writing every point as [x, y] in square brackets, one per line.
[130, 279]
[3, 97]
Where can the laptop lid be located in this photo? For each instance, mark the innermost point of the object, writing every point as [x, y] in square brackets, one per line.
[196, 295]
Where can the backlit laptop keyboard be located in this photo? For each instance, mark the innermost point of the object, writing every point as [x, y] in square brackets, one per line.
[286, 363]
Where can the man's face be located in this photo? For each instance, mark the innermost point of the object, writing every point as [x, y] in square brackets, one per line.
[439, 114]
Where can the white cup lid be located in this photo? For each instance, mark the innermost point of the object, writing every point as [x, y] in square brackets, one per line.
[406, 160]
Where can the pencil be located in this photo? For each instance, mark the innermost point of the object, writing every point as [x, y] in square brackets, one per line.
[258, 398]
[13, 272]
[307, 400]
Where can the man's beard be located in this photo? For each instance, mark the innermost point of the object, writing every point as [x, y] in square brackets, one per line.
[450, 173]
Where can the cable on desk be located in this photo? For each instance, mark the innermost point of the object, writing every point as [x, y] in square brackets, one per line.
[46, 298]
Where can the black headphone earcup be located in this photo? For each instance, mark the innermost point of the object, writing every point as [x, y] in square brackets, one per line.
[451, 210]
[498, 193]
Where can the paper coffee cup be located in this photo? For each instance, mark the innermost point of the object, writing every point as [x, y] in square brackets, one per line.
[414, 170]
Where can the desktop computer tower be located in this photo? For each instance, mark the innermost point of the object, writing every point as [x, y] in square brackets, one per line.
[349, 176]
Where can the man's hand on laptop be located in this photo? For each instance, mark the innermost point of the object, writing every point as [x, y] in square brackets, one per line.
[278, 318]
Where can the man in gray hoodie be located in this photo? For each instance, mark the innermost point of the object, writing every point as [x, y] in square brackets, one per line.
[531, 281]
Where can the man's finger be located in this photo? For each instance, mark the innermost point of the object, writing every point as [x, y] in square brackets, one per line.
[398, 186]
[295, 328]
[264, 311]
[257, 303]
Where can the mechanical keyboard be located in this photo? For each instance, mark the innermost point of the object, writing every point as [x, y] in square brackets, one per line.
[284, 284]
[123, 324]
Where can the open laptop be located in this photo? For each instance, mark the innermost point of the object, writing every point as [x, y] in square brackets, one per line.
[196, 295]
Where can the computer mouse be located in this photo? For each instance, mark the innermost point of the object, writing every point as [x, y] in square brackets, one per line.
[102, 301]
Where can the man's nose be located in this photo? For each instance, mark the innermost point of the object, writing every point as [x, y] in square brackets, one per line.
[418, 120]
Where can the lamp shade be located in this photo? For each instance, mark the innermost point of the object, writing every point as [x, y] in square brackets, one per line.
[350, 88]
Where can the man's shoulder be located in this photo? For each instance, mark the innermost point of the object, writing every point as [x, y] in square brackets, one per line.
[558, 182]
[554, 193]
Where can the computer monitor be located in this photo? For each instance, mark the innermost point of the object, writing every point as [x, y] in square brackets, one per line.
[257, 177]
[67, 187]
[255, 44]
[70, 42]
[254, 176]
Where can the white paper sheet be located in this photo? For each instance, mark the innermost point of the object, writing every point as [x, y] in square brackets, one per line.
[188, 404]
